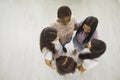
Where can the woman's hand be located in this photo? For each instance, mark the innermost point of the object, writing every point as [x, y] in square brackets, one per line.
[81, 68]
[74, 52]
[49, 63]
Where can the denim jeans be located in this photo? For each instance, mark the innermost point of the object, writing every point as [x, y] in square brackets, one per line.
[79, 47]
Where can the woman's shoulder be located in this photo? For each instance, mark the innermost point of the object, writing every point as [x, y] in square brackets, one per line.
[47, 53]
[95, 35]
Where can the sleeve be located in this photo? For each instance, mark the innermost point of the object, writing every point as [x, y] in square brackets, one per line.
[95, 35]
[47, 55]
[87, 64]
[55, 24]
[79, 24]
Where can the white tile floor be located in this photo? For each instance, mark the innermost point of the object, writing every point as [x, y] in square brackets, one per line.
[21, 22]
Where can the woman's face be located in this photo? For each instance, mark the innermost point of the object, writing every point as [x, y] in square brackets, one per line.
[86, 28]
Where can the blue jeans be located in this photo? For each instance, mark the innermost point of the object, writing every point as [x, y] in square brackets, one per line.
[77, 45]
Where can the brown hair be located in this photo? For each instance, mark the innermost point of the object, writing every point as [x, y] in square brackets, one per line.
[98, 47]
[65, 65]
[48, 35]
[63, 11]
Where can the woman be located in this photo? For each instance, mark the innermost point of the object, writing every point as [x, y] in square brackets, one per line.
[88, 58]
[86, 31]
[50, 45]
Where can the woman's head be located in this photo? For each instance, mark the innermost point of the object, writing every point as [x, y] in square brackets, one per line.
[64, 14]
[48, 35]
[88, 26]
[65, 65]
[96, 47]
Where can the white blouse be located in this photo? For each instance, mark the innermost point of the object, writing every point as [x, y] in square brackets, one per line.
[87, 63]
[48, 54]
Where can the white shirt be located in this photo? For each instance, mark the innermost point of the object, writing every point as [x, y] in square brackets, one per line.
[48, 54]
[86, 63]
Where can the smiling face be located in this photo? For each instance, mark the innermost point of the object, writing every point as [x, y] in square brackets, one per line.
[86, 28]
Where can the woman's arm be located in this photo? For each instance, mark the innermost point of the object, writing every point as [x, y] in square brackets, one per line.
[87, 63]
[48, 57]
[77, 25]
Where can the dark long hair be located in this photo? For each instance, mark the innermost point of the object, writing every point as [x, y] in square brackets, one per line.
[92, 22]
[98, 47]
[68, 67]
[48, 35]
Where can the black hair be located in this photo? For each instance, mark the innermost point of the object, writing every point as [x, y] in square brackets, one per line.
[68, 67]
[98, 47]
[63, 12]
[48, 35]
[92, 22]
